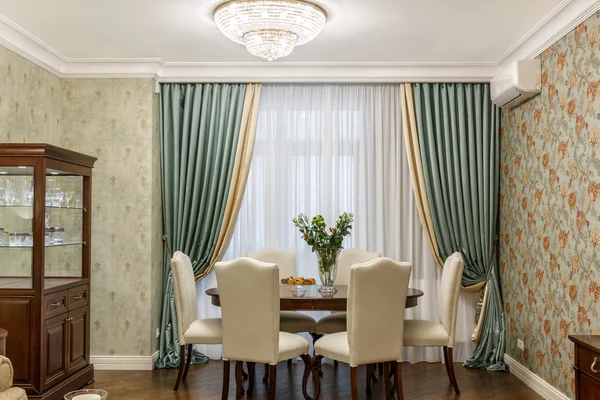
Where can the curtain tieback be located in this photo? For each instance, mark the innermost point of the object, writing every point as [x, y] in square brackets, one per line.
[166, 246]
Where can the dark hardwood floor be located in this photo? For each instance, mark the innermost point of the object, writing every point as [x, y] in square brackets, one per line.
[421, 381]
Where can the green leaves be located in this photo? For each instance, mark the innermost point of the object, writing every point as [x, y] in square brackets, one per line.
[316, 234]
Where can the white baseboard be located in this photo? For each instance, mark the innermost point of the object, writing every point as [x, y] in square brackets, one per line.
[133, 363]
[532, 380]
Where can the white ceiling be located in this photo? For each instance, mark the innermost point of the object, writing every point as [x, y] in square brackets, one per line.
[358, 31]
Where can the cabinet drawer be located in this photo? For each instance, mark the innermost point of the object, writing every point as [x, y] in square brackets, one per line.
[586, 359]
[56, 304]
[588, 389]
[78, 297]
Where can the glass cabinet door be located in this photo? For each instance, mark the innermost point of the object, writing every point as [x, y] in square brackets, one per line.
[16, 227]
[63, 224]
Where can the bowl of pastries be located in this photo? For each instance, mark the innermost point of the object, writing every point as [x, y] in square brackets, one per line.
[300, 280]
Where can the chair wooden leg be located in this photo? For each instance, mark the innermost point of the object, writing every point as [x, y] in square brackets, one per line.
[272, 381]
[451, 375]
[225, 390]
[398, 377]
[239, 389]
[386, 381]
[354, 382]
[251, 373]
[181, 367]
[368, 376]
[380, 368]
[445, 351]
[266, 374]
[190, 350]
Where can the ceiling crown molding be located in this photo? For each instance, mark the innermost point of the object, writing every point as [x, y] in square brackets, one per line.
[20, 41]
[562, 19]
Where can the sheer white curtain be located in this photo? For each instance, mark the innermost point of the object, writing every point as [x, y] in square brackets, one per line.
[326, 149]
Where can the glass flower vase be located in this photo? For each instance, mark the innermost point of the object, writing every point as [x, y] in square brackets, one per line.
[327, 260]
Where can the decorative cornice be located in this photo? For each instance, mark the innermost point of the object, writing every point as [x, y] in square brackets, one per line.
[320, 72]
[533, 31]
[563, 18]
[20, 41]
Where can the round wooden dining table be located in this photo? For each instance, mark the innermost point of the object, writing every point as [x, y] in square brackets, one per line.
[315, 301]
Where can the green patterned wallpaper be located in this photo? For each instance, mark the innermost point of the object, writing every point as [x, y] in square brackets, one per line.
[115, 120]
[550, 209]
[30, 107]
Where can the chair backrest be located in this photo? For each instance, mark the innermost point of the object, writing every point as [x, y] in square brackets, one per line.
[186, 301]
[347, 259]
[6, 374]
[376, 303]
[285, 260]
[449, 291]
[249, 296]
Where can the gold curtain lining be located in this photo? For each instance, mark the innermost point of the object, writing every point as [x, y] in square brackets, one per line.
[240, 173]
[409, 124]
[477, 332]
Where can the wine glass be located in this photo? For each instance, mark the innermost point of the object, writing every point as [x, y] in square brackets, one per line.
[77, 200]
[27, 192]
[9, 192]
[68, 198]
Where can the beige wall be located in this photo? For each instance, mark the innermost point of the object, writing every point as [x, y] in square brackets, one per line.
[115, 120]
[550, 209]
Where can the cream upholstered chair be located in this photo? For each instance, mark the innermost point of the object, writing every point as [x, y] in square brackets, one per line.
[440, 333]
[336, 322]
[7, 392]
[251, 321]
[290, 321]
[191, 330]
[375, 325]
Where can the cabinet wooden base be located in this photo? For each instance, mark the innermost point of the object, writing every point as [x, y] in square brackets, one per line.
[74, 382]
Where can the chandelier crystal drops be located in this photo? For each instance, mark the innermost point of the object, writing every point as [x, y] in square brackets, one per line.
[270, 29]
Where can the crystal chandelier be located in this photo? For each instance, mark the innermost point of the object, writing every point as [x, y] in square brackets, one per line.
[270, 28]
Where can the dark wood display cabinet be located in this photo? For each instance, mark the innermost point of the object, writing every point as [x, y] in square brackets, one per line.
[45, 233]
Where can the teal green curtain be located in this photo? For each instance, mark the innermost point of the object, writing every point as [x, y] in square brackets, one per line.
[459, 138]
[199, 131]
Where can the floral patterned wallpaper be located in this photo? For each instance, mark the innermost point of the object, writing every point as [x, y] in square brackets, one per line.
[115, 120]
[550, 209]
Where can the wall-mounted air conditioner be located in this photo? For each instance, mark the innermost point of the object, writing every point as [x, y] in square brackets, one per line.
[518, 83]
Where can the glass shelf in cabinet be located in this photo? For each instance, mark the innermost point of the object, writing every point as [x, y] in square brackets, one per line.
[66, 208]
[66, 244]
[7, 246]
